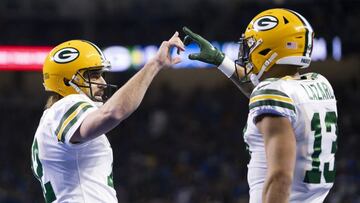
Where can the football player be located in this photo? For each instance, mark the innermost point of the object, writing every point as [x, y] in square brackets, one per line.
[291, 130]
[71, 156]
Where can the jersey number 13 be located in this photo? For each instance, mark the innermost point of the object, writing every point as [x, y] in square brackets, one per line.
[314, 175]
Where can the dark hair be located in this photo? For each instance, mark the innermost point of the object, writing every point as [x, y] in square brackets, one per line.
[54, 97]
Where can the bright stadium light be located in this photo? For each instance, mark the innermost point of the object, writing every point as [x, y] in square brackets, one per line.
[24, 58]
[319, 52]
[336, 49]
[119, 57]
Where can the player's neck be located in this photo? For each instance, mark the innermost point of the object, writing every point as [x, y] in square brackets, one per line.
[280, 71]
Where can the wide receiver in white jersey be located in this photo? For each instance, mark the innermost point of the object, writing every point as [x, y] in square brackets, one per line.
[71, 156]
[291, 131]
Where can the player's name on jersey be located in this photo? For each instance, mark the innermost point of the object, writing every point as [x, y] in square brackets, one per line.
[318, 91]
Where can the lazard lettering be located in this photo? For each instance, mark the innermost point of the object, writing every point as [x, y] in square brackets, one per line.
[318, 91]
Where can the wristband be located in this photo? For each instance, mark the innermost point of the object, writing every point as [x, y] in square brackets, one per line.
[227, 66]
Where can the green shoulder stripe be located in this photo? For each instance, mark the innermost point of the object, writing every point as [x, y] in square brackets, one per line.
[69, 113]
[268, 91]
[73, 121]
[272, 103]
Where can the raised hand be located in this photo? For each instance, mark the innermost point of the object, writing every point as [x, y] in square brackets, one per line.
[208, 53]
[163, 56]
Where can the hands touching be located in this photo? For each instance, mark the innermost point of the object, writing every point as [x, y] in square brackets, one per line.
[211, 55]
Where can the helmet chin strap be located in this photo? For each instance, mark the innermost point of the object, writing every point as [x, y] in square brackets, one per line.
[255, 78]
[78, 90]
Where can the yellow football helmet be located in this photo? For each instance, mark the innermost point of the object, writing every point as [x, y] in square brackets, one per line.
[275, 36]
[65, 67]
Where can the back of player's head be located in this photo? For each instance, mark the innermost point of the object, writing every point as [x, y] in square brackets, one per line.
[275, 36]
[65, 65]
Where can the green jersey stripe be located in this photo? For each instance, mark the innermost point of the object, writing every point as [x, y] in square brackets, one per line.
[66, 115]
[73, 121]
[49, 193]
[272, 103]
[36, 167]
[268, 91]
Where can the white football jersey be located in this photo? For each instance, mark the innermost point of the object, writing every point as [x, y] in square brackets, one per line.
[71, 172]
[310, 105]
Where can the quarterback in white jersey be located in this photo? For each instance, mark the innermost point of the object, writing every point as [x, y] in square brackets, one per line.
[291, 130]
[71, 156]
[72, 172]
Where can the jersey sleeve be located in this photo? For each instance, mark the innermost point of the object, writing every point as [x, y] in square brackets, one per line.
[70, 114]
[272, 100]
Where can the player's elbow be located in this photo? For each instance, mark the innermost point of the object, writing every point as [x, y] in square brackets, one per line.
[277, 187]
[114, 115]
[282, 179]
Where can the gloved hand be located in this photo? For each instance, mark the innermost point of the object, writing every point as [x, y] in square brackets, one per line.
[208, 53]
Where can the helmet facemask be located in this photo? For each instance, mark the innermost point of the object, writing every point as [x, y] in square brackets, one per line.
[246, 47]
[82, 83]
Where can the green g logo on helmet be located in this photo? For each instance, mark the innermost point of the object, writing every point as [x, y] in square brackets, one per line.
[66, 55]
[266, 23]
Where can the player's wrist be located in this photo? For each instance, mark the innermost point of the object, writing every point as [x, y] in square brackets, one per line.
[155, 64]
[227, 66]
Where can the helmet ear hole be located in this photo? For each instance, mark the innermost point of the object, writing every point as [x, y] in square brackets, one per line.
[264, 52]
[66, 82]
[286, 21]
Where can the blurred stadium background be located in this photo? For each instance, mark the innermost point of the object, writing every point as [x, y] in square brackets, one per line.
[184, 144]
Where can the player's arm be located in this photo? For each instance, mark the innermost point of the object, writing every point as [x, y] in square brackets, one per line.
[280, 147]
[211, 55]
[127, 99]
